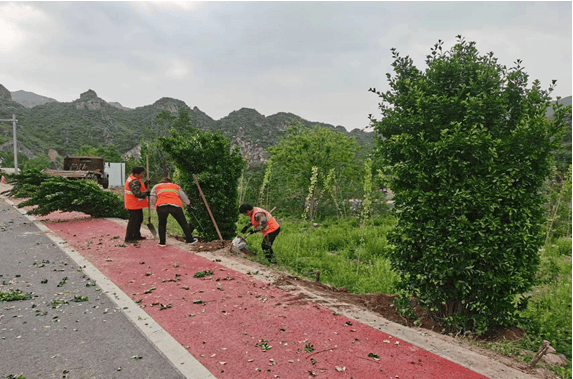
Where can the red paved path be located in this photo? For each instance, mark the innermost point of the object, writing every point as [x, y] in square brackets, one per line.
[226, 318]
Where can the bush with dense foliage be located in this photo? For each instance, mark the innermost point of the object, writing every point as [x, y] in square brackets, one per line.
[25, 183]
[218, 167]
[55, 193]
[469, 148]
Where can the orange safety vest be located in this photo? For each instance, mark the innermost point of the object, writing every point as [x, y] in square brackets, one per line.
[272, 224]
[131, 201]
[168, 193]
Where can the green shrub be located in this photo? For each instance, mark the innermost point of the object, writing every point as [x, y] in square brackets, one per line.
[57, 193]
[25, 183]
[218, 167]
[469, 149]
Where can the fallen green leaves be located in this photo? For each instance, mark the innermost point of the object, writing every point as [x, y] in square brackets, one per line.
[264, 344]
[201, 274]
[63, 281]
[14, 295]
[149, 290]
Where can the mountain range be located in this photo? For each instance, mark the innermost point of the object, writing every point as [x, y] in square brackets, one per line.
[45, 124]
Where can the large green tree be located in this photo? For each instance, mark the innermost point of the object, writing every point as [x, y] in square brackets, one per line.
[469, 148]
[295, 156]
[109, 153]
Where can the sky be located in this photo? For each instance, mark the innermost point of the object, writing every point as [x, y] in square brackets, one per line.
[313, 59]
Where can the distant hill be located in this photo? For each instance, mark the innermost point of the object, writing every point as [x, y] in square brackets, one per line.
[118, 105]
[30, 99]
[91, 120]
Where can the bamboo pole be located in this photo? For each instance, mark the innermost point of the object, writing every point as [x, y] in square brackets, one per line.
[208, 210]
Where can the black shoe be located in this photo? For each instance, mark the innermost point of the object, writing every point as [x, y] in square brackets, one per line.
[272, 260]
[140, 238]
[131, 241]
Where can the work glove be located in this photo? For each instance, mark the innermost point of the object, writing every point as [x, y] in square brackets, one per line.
[246, 227]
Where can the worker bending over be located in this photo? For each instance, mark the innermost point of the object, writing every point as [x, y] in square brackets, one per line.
[262, 221]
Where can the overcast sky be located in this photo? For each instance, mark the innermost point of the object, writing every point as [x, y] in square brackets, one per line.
[314, 59]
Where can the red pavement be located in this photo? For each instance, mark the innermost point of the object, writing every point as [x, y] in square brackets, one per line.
[239, 327]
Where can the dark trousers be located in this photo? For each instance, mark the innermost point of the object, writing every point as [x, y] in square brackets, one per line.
[134, 224]
[163, 212]
[267, 244]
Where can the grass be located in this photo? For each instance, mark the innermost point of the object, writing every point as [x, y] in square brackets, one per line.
[548, 315]
[345, 254]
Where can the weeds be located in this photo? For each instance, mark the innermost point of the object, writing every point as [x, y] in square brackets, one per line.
[333, 248]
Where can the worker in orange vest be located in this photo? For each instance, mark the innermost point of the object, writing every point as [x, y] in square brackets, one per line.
[167, 198]
[262, 221]
[135, 197]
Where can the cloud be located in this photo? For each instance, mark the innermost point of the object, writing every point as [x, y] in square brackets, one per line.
[16, 19]
[313, 59]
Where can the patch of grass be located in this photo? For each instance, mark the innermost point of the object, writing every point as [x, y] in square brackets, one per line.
[548, 315]
[14, 295]
[345, 254]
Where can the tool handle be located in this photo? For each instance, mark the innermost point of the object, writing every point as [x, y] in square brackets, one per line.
[148, 203]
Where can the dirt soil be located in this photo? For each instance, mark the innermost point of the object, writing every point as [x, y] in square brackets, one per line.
[381, 305]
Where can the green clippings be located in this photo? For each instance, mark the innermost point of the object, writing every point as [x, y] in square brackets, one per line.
[14, 295]
[201, 274]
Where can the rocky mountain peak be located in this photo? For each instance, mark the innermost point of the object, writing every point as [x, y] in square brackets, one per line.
[88, 95]
[4, 93]
[169, 104]
[89, 100]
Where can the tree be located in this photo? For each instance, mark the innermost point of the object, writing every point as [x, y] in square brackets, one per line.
[39, 163]
[54, 193]
[301, 150]
[109, 153]
[469, 148]
[217, 167]
[165, 125]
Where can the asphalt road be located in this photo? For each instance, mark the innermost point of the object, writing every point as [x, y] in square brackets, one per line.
[68, 328]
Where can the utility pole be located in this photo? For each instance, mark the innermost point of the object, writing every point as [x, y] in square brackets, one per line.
[13, 119]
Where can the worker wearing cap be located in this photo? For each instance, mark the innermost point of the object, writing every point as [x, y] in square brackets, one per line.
[135, 198]
[167, 198]
[262, 221]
